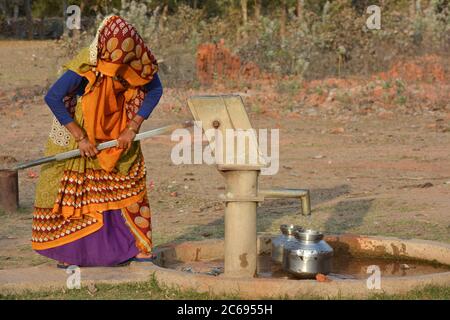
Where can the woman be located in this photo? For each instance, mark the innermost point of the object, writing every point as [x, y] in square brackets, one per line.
[93, 210]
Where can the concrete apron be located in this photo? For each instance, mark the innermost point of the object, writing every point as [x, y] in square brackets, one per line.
[47, 277]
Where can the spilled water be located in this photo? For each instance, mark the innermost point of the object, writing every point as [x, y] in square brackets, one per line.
[344, 267]
[347, 267]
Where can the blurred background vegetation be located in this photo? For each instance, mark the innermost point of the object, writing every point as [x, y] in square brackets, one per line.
[307, 38]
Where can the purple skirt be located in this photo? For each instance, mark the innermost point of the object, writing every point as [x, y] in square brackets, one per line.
[112, 244]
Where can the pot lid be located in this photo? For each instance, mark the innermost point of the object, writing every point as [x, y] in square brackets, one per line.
[289, 229]
[308, 235]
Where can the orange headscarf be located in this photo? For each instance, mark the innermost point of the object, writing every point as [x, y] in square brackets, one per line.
[114, 94]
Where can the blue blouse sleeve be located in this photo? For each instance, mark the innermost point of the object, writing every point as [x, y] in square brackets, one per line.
[69, 82]
[154, 91]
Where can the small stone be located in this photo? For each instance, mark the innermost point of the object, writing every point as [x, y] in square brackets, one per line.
[311, 112]
[215, 271]
[92, 289]
[339, 130]
[426, 185]
[322, 278]
[203, 208]
[386, 115]
[187, 269]
[31, 174]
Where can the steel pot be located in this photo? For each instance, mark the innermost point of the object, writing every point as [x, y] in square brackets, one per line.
[308, 255]
[278, 244]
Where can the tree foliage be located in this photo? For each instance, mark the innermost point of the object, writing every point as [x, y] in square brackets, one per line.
[281, 36]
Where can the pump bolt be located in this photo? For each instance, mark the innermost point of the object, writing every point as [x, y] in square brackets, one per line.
[216, 124]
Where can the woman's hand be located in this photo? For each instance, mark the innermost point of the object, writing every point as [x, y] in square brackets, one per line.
[87, 149]
[125, 139]
[127, 136]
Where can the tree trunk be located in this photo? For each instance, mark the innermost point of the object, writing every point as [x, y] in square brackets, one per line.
[283, 19]
[299, 8]
[163, 17]
[412, 8]
[257, 10]
[66, 30]
[41, 28]
[29, 19]
[418, 7]
[16, 12]
[244, 10]
[77, 32]
[3, 8]
[14, 20]
[415, 7]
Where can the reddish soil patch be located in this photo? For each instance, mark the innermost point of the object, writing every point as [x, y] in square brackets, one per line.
[216, 62]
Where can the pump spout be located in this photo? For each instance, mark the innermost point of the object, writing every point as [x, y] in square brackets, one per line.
[283, 193]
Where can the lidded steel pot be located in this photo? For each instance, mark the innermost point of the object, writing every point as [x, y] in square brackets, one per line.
[279, 243]
[308, 255]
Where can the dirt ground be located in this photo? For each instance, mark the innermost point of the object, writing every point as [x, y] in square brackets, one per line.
[376, 173]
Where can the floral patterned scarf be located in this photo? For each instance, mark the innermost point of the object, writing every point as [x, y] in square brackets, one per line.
[120, 63]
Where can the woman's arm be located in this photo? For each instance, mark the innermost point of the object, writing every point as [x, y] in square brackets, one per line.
[68, 83]
[154, 92]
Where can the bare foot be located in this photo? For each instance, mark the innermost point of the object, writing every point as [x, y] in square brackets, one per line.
[62, 265]
[145, 255]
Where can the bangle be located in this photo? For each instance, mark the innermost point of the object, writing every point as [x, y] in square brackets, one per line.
[80, 139]
[132, 129]
[132, 120]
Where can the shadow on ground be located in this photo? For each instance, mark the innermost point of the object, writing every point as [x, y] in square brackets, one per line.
[268, 212]
[348, 214]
